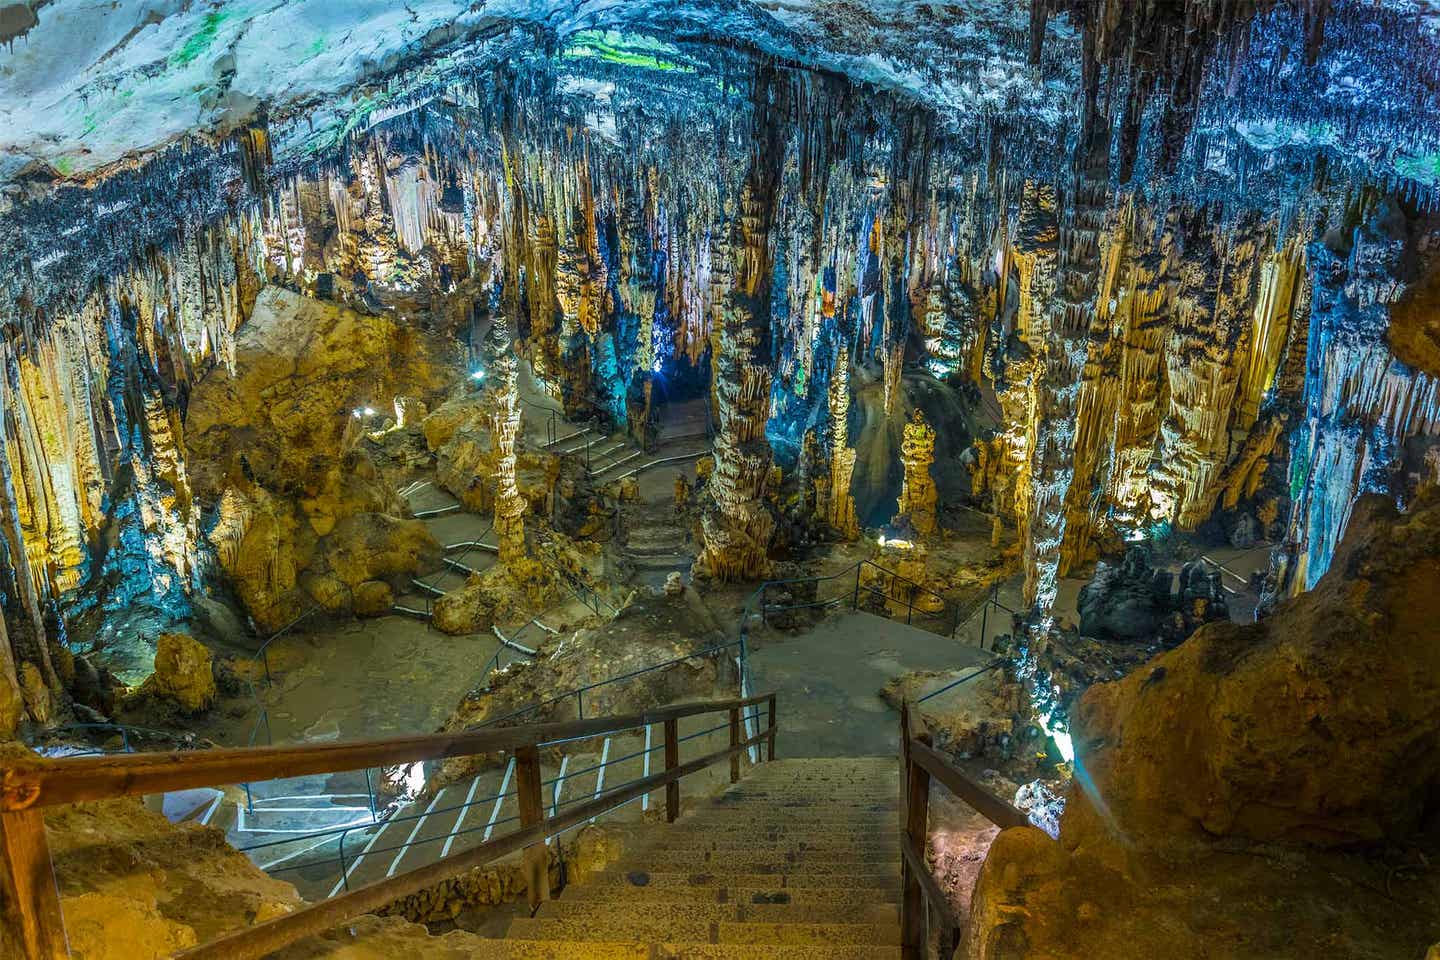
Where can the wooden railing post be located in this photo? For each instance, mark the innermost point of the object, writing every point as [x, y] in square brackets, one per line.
[672, 760]
[532, 813]
[770, 745]
[735, 742]
[913, 928]
[29, 886]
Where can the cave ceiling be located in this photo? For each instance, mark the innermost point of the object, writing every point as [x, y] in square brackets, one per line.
[122, 119]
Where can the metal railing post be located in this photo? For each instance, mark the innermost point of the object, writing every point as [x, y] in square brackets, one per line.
[985, 619]
[855, 598]
[370, 796]
[344, 867]
[672, 760]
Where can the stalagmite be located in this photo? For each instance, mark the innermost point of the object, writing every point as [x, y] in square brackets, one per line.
[505, 426]
[918, 494]
[840, 507]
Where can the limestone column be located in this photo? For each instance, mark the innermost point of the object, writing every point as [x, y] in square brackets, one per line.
[737, 523]
[505, 425]
[917, 493]
[840, 510]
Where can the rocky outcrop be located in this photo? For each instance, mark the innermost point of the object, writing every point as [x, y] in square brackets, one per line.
[648, 631]
[183, 672]
[1132, 601]
[302, 514]
[1244, 763]
[133, 886]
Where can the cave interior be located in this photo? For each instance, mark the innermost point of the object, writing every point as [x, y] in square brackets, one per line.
[1068, 370]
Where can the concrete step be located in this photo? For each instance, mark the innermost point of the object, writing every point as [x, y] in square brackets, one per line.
[718, 878]
[763, 863]
[771, 841]
[832, 797]
[622, 950]
[755, 802]
[838, 898]
[700, 931]
[793, 814]
[717, 912]
[615, 463]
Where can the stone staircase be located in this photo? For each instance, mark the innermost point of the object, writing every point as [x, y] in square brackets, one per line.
[800, 859]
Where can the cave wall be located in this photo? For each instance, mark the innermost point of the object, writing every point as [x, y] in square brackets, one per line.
[1149, 295]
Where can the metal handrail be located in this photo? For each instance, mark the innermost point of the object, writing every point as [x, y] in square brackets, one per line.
[262, 653]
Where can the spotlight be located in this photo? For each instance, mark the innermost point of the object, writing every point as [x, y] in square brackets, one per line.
[655, 367]
[478, 375]
[358, 413]
[369, 411]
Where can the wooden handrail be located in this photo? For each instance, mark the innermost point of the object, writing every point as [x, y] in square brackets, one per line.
[25, 788]
[920, 762]
[265, 938]
[42, 783]
[991, 807]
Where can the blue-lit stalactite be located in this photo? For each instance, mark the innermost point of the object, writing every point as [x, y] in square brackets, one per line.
[1360, 403]
[145, 562]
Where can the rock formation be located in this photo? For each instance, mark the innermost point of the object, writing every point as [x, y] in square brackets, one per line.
[294, 524]
[838, 503]
[1236, 764]
[737, 523]
[918, 495]
[1117, 243]
[183, 672]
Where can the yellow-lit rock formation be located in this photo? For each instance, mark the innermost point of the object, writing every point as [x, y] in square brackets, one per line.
[918, 493]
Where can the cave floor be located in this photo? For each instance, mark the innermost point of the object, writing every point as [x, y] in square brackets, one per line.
[829, 677]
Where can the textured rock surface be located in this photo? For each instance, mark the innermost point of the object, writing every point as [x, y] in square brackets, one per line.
[648, 631]
[135, 887]
[295, 523]
[1227, 770]
[183, 672]
[1320, 724]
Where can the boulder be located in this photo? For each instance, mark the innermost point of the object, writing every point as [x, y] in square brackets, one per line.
[183, 672]
[1320, 724]
[1227, 793]
[373, 598]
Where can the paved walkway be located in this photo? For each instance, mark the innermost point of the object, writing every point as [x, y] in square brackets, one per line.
[830, 676]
